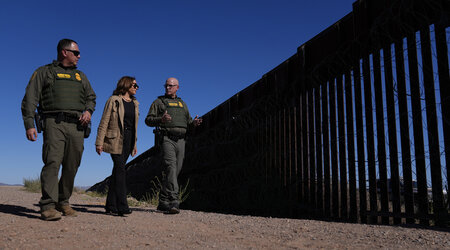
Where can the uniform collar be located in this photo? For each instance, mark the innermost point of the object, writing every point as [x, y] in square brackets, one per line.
[169, 97]
[57, 63]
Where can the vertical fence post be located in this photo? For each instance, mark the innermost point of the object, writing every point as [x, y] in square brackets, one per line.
[370, 139]
[319, 146]
[334, 156]
[326, 151]
[418, 129]
[342, 151]
[350, 147]
[312, 156]
[381, 142]
[444, 87]
[432, 127]
[392, 131]
[404, 132]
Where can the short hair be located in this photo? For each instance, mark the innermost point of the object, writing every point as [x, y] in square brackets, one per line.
[64, 43]
[123, 85]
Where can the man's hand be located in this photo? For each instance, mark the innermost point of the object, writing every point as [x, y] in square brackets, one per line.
[134, 152]
[197, 121]
[85, 118]
[166, 118]
[31, 134]
[99, 149]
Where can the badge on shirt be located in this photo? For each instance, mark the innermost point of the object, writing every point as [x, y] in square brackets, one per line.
[65, 76]
[77, 76]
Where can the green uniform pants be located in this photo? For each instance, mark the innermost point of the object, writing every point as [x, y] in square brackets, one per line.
[173, 156]
[63, 145]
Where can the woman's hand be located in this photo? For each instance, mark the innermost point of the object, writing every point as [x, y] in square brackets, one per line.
[99, 149]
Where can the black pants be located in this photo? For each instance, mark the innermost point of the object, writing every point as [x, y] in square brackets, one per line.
[116, 200]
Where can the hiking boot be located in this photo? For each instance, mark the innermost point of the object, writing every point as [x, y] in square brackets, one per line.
[66, 210]
[163, 207]
[50, 215]
[173, 210]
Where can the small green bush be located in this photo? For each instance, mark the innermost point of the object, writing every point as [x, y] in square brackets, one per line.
[32, 185]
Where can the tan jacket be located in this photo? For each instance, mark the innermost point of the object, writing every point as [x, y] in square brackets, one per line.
[109, 134]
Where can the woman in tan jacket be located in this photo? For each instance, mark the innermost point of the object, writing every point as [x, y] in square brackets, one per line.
[116, 135]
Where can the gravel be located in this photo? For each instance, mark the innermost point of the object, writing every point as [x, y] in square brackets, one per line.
[147, 228]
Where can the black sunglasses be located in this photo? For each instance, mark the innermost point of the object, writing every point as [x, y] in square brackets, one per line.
[135, 86]
[75, 52]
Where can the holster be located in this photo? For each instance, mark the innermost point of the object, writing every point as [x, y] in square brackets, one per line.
[38, 119]
[159, 137]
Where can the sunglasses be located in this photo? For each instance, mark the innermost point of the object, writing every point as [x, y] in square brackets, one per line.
[135, 86]
[169, 85]
[75, 52]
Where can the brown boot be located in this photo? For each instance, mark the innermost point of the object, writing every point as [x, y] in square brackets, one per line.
[50, 214]
[66, 210]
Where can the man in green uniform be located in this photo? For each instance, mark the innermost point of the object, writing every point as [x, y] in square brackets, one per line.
[66, 102]
[171, 115]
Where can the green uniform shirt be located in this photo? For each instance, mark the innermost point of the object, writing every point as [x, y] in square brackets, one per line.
[39, 79]
[156, 111]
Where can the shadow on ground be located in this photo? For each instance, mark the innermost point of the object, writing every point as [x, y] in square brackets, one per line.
[19, 211]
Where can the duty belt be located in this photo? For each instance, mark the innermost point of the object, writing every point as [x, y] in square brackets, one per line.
[63, 117]
[173, 136]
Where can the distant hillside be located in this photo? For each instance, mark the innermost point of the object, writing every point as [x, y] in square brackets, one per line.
[3, 184]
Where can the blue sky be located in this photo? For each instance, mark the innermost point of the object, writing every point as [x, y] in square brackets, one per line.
[215, 49]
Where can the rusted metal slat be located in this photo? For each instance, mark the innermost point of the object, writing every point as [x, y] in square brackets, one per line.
[370, 138]
[342, 151]
[392, 131]
[326, 151]
[418, 129]
[350, 147]
[334, 157]
[381, 142]
[433, 137]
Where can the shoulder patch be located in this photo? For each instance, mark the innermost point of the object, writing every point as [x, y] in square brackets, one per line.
[180, 104]
[33, 76]
[77, 76]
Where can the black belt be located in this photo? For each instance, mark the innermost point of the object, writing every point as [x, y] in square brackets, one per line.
[174, 137]
[63, 117]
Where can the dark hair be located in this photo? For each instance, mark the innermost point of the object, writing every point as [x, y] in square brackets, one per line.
[64, 43]
[123, 85]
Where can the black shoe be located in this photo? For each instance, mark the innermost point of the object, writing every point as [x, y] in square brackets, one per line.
[128, 211]
[110, 212]
[163, 207]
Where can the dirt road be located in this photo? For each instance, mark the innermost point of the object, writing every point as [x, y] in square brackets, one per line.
[145, 228]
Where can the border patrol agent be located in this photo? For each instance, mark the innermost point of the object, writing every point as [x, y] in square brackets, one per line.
[66, 102]
[171, 115]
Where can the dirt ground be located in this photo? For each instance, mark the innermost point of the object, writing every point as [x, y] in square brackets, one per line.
[145, 228]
